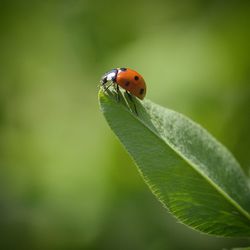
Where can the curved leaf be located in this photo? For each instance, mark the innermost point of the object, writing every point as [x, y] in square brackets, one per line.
[191, 173]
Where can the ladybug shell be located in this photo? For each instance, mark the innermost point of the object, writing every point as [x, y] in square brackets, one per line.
[131, 81]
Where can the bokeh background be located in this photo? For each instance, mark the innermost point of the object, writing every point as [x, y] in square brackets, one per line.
[65, 180]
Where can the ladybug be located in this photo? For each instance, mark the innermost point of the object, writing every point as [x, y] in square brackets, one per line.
[126, 78]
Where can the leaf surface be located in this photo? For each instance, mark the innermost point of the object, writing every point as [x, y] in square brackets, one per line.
[190, 172]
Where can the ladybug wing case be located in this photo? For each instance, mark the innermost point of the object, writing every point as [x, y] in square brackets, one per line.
[133, 82]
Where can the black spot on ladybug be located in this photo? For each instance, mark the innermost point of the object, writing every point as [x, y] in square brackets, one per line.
[127, 83]
[141, 91]
[136, 78]
[123, 69]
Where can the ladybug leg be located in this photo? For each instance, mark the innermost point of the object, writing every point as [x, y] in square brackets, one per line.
[106, 87]
[118, 91]
[104, 83]
[131, 99]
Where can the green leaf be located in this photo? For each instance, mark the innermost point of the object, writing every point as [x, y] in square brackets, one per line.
[188, 170]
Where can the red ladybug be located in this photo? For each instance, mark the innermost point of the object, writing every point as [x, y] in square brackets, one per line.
[126, 78]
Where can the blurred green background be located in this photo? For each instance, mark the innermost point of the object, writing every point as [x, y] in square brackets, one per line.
[65, 180]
